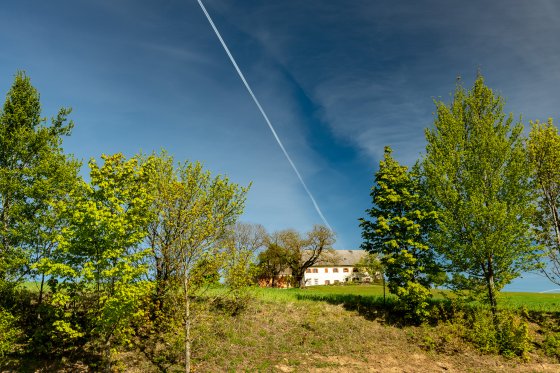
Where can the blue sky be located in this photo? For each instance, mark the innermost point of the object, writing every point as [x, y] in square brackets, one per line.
[339, 80]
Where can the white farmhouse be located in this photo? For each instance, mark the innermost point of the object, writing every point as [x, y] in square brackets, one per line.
[343, 270]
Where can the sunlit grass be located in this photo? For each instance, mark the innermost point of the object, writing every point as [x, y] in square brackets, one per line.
[374, 293]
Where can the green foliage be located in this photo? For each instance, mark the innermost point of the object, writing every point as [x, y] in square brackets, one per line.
[240, 247]
[289, 249]
[401, 220]
[9, 333]
[98, 259]
[505, 333]
[271, 263]
[477, 178]
[551, 344]
[543, 149]
[33, 173]
[372, 265]
[193, 213]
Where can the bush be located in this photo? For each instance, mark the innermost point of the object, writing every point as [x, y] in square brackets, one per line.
[9, 333]
[508, 335]
[513, 336]
[551, 344]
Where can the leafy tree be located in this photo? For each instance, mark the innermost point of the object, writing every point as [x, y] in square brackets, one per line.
[543, 148]
[33, 173]
[398, 231]
[372, 265]
[271, 263]
[98, 256]
[301, 253]
[477, 176]
[193, 214]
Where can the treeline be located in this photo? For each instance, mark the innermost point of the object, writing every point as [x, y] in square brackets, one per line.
[478, 209]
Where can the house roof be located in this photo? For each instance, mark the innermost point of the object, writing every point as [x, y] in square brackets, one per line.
[341, 258]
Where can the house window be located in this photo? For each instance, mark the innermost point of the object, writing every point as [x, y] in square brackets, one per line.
[316, 281]
[345, 270]
[308, 270]
[315, 270]
[335, 270]
[327, 282]
[355, 270]
[326, 270]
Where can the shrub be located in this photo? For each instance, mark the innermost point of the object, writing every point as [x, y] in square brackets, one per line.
[551, 344]
[508, 335]
[9, 333]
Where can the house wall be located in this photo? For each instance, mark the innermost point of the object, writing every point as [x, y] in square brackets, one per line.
[325, 274]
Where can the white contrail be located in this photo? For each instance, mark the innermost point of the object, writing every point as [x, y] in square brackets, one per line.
[549, 291]
[264, 115]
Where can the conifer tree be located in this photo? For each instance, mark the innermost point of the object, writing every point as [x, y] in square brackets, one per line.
[401, 221]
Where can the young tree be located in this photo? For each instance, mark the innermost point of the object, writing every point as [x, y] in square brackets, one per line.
[478, 179]
[33, 172]
[98, 256]
[301, 253]
[398, 231]
[194, 213]
[372, 265]
[543, 148]
[271, 263]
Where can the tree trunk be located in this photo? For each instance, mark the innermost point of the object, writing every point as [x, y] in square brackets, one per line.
[492, 291]
[187, 326]
[299, 281]
[384, 296]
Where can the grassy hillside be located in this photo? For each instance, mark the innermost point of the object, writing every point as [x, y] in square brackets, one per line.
[328, 329]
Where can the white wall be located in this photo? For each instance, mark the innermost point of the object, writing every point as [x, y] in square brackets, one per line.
[321, 276]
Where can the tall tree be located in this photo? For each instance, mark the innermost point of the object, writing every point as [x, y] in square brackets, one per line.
[33, 172]
[98, 259]
[398, 231]
[194, 213]
[301, 252]
[478, 179]
[543, 148]
[271, 263]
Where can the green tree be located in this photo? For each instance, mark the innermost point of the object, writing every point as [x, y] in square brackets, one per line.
[271, 263]
[543, 148]
[477, 177]
[98, 256]
[398, 231]
[33, 173]
[193, 214]
[301, 252]
[372, 265]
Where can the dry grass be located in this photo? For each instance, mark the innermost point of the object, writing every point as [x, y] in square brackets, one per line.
[314, 336]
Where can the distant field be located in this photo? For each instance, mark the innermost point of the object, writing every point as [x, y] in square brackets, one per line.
[532, 301]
